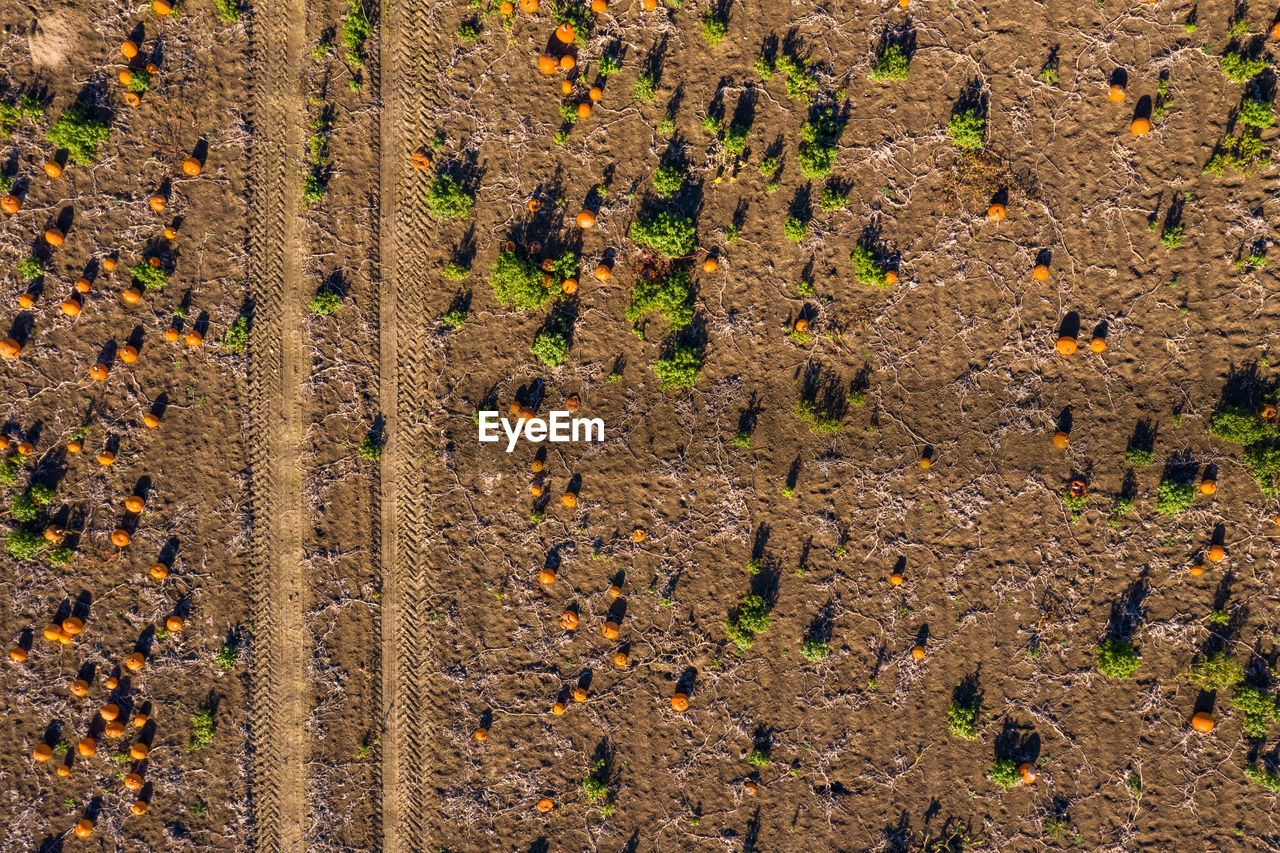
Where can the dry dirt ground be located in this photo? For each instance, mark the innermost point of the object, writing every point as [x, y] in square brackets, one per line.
[359, 579]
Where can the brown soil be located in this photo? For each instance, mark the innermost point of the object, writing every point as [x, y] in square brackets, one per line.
[373, 641]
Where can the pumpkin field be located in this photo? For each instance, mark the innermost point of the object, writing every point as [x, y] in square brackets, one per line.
[935, 344]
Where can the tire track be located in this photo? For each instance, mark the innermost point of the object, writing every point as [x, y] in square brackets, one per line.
[410, 56]
[278, 683]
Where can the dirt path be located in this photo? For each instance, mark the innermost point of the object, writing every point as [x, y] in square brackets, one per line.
[280, 693]
[406, 235]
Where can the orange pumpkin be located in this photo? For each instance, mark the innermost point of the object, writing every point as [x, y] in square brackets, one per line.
[569, 285]
[603, 273]
[134, 663]
[529, 6]
[557, 708]
[481, 735]
[42, 753]
[54, 237]
[191, 166]
[139, 751]
[1066, 345]
[584, 110]
[1040, 272]
[128, 353]
[129, 49]
[139, 807]
[174, 624]
[1116, 93]
[570, 500]
[75, 445]
[586, 219]
[547, 576]
[157, 202]
[162, 7]
[507, 8]
[108, 264]
[120, 538]
[159, 571]
[1217, 553]
[1027, 771]
[132, 295]
[566, 88]
[569, 620]
[895, 579]
[1098, 344]
[100, 372]
[106, 457]
[599, 6]
[84, 827]
[917, 652]
[1208, 486]
[82, 285]
[610, 630]
[134, 504]
[1202, 721]
[546, 64]
[17, 654]
[1140, 126]
[565, 33]
[109, 712]
[193, 338]
[73, 625]
[10, 204]
[680, 702]
[133, 781]
[26, 300]
[87, 746]
[595, 93]
[996, 212]
[638, 535]
[568, 63]
[545, 805]
[579, 694]
[620, 660]
[80, 688]
[9, 348]
[171, 334]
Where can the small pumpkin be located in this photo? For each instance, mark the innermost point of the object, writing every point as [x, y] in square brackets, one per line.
[1217, 553]
[1027, 772]
[595, 93]
[890, 278]
[193, 338]
[603, 273]
[170, 233]
[158, 202]
[140, 721]
[1140, 127]
[134, 504]
[114, 729]
[1078, 489]
[638, 535]
[173, 624]
[106, 457]
[572, 403]
[128, 353]
[73, 625]
[557, 708]
[120, 538]
[569, 620]
[547, 576]
[680, 702]
[26, 448]
[610, 630]
[109, 712]
[615, 591]
[139, 751]
[620, 660]
[139, 807]
[481, 734]
[171, 334]
[132, 295]
[546, 64]
[64, 770]
[9, 348]
[584, 110]
[1098, 344]
[1208, 486]
[545, 805]
[1066, 345]
[191, 166]
[75, 445]
[565, 33]
[895, 579]
[917, 652]
[599, 6]
[80, 688]
[54, 237]
[568, 63]
[133, 781]
[586, 219]
[579, 694]
[802, 325]
[710, 264]
[108, 264]
[507, 8]
[1116, 93]
[1267, 412]
[1040, 272]
[535, 489]
[82, 285]
[100, 372]
[997, 212]
[10, 204]
[87, 746]
[129, 49]
[570, 500]
[26, 301]
[159, 571]
[162, 7]
[133, 99]
[42, 753]
[17, 654]
[529, 6]
[53, 533]
[84, 826]
[1202, 721]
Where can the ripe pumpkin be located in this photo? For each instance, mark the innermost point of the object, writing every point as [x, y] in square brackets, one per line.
[710, 264]
[569, 620]
[546, 64]
[112, 682]
[170, 233]
[84, 827]
[87, 746]
[132, 296]
[545, 805]
[191, 166]
[139, 807]
[1066, 345]
[1040, 272]
[73, 625]
[114, 729]
[53, 533]
[620, 660]
[65, 770]
[9, 348]
[1202, 721]
[159, 571]
[162, 7]
[108, 264]
[1140, 126]
[133, 99]
[53, 633]
[129, 49]
[173, 624]
[26, 448]
[595, 93]
[584, 110]
[569, 285]
[1116, 94]
[603, 273]
[547, 576]
[568, 63]
[557, 708]
[572, 403]
[1027, 771]
[536, 465]
[917, 652]
[420, 160]
[100, 372]
[193, 338]
[565, 33]
[42, 753]
[1217, 553]
[54, 237]
[925, 463]
[120, 538]
[80, 688]
[638, 535]
[1098, 344]
[599, 6]
[890, 277]
[10, 204]
[82, 285]
[481, 735]
[648, 5]
[535, 489]
[610, 630]
[1208, 486]
[26, 301]
[566, 88]
[157, 202]
[139, 751]
[1267, 412]
[802, 325]
[996, 212]
[680, 702]
[109, 712]
[579, 694]
[125, 77]
[749, 786]
[529, 6]
[128, 353]
[106, 457]
[586, 219]
[134, 504]
[1077, 489]
[895, 579]
[139, 721]
[75, 446]
[570, 500]
[507, 9]
[171, 334]
[133, 781]
[17, 654]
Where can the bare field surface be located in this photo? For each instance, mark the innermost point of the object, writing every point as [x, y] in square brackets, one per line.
[938, 505]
